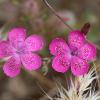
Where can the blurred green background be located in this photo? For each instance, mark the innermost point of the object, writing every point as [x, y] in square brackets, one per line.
[38, 19]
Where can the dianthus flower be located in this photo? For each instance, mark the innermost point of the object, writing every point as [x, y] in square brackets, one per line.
[20, 49]
[75, 55]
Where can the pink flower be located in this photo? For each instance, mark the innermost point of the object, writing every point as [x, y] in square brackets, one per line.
[75, 55]
[19, 50]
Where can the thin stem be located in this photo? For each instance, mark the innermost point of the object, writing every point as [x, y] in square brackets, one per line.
[51, 8]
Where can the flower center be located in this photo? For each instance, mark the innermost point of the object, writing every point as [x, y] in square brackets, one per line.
[74, 53]
[21, 50]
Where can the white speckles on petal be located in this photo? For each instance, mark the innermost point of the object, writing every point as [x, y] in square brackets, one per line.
[61, 63]
[31, 61]
[35, 42]
[17, 35]
[76, 39]
[12, 67]
[58, 46]
[87, 52]
[5, 49]
[79, 66]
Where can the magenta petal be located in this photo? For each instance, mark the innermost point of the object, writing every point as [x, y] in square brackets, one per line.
[31, 61]
[79, 66]
[76, 39]
[61, 63]
[17, 35]
[87, 52]
[5, 49]
[35, 42]
[12, 67]
[58, 46]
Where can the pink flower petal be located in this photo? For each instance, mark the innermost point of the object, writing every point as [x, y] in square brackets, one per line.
[87, 52]
[61, 63]
[17, 35]
[58, 46]
[5, 49]
[31, 61]
[35, 42]
[12, 67]
[76, 39]
[79, 66]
